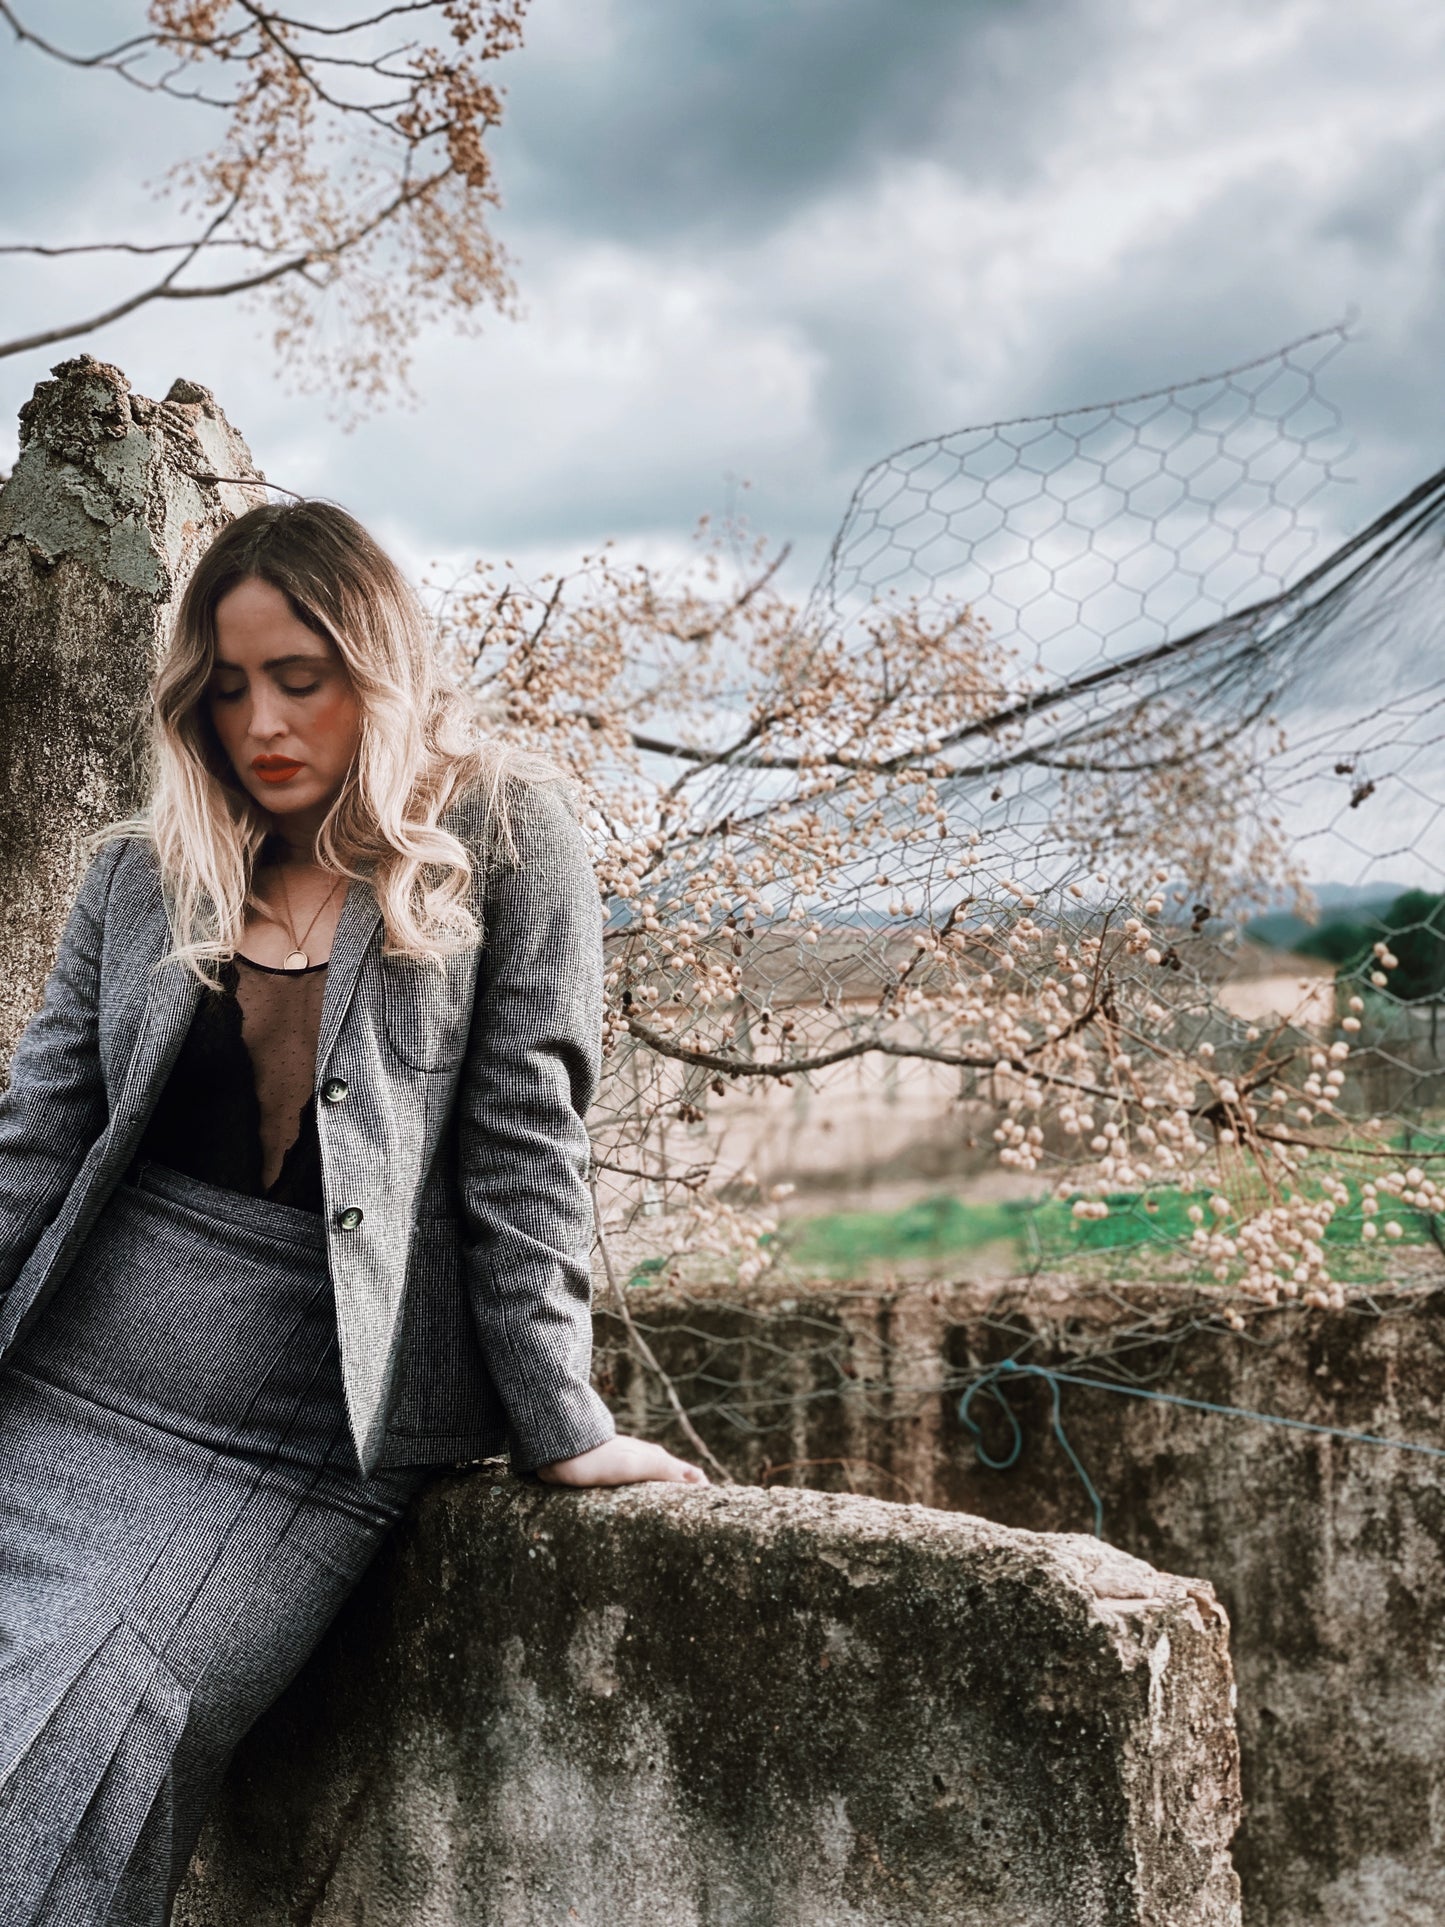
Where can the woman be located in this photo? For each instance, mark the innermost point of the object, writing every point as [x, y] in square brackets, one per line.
[237, 1323]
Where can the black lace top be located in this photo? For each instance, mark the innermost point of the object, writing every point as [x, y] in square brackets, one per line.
[239, 1106]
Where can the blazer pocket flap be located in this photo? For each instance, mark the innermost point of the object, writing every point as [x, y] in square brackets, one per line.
[428, 1011]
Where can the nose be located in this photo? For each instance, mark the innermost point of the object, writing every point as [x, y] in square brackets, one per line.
[267, 721]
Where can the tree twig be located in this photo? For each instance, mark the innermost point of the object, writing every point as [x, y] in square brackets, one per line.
[646, 1353]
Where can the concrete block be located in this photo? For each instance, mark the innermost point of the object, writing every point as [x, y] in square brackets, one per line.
[661, 1706]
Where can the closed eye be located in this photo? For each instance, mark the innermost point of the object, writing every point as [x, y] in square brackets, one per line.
[231, 695]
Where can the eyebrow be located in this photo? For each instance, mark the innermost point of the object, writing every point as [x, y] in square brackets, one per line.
[274, 662]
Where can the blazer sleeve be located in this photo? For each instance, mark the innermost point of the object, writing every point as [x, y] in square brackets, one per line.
[55, 1106]
[531, 1071]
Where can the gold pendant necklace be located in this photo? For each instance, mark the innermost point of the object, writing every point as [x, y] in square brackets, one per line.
[297, 959]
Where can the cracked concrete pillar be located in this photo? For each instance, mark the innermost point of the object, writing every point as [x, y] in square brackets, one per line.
[101, 521]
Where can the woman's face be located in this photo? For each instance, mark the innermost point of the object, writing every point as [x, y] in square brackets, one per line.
[284, 707]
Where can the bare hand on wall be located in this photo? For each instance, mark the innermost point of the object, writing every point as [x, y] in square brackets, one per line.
[622, 1460]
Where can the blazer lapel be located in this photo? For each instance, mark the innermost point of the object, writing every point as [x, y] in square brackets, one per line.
[360, 917]
[170, 1004]
[171, 995]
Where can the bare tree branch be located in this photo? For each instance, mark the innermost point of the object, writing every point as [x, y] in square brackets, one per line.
[350, 173]
[167, 290]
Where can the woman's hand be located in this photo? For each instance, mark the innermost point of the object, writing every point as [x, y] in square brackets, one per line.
[621, 1461]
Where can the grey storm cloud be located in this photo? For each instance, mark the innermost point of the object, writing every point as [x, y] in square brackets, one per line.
[774, 239]
[668, 122]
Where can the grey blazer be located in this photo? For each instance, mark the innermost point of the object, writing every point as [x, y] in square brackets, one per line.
[454, 1154]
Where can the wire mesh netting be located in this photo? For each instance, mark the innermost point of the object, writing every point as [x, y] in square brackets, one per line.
[960, 915]
[1105, 529]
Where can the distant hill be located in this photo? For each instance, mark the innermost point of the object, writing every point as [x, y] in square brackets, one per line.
[1276, 929]
[1342, 896]
[1339, 902]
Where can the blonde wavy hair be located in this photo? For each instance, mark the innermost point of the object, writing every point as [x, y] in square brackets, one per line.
[420, 749]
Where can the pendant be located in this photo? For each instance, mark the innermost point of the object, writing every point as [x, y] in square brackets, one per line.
[294, 960]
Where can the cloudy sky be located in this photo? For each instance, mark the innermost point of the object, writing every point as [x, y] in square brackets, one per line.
[769, 240]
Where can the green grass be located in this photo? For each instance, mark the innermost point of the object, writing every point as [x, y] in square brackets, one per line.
[938, 1227]
[1142, 1226]
[1146, 1232]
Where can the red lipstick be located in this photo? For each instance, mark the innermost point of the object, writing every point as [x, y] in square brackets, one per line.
[276, 769]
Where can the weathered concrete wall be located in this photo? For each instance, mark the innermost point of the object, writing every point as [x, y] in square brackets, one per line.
[659, 1707]
[1330, 1557]
[100, 523]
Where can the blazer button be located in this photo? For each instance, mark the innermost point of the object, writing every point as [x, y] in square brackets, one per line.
[350, 1218]
[334, 1089]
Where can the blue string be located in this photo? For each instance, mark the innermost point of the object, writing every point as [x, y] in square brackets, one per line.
[988, 1381]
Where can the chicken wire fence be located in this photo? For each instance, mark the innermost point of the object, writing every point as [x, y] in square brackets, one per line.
[1181, 673]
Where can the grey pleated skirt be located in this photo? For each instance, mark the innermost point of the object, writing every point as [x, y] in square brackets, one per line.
[181, 1515]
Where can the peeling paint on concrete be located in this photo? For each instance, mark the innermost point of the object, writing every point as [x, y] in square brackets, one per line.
[108, 479]
[101, 521]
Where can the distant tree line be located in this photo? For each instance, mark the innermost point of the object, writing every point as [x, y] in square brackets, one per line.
[1413, 926]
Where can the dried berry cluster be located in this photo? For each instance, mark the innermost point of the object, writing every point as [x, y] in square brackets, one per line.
[798, 881]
